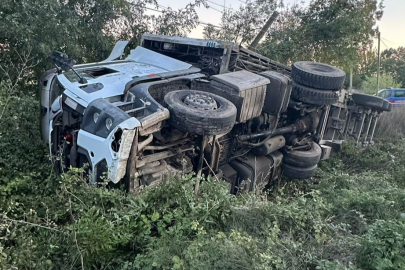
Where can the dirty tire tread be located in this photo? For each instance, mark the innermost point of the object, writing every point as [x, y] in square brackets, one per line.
[197, 121]
[303, 159]
[368, 101]
[313, 96]
[293, 172]
[309, 74]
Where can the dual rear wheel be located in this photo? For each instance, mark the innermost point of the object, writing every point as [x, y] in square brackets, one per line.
[301, 164]
[316, 83]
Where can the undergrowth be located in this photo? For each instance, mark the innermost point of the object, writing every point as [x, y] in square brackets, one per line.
[347, 217]
[391, 125]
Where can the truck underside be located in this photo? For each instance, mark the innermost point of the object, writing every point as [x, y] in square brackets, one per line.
[234, 115]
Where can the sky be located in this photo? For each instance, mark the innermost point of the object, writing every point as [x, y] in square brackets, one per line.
[392, 24]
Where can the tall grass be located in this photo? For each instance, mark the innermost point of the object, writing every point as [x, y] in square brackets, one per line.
[391, 125]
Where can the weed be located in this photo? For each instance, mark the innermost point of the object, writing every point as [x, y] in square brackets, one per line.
[391, 125]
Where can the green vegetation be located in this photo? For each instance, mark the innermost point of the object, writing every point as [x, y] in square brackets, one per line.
[347, 217]
[340, 33]
[393, 63]
[391, 124]
[335, 32]
[370, 83]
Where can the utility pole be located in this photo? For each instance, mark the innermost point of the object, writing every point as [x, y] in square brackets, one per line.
[263, 31]
[378, 62]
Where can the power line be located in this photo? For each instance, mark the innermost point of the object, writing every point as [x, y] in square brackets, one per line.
[216, 9]
[163, 7]
[219, 5]
[199, 22]
[384, 44]
[391, 42]
[154, 9]
[209, 24]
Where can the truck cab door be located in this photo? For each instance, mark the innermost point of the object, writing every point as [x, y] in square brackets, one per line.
[49, 92]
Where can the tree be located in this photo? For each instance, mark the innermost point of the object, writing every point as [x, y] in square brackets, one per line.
[85, 29]
[386, 81]
[74, 26]
[393, 63]
[328, 31]
[242, 25]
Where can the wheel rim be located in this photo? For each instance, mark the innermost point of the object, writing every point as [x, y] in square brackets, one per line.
[201, 101]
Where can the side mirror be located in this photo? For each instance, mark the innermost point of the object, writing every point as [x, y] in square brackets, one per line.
[62, 61]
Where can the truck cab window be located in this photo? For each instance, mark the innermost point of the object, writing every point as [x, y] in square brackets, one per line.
[56, 90]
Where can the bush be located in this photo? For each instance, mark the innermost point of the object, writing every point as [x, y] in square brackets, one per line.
[383, 246]
[391, 125]
[370, 84]
[344, 218]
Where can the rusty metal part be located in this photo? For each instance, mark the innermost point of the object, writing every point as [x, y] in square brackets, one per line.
[150, 170]
[372, 129]
[204, 140]
[168, 137]
[132, 183]
[127, 139]
[308, 123]
[150, 130]
[150, 165]
[162, 155]
[271, 145]
[153, 122]
[277, 158]
[201, 101]
[224, 148]
[144, 143]
[215, 151]
[165, 146]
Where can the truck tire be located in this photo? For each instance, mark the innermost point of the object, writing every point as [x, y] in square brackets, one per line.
[313, 96]
[318, 75]
[303, 159]
[200, 113]
[293, 172]
[368, 101]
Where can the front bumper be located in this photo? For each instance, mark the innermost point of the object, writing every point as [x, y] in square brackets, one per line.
[100, 149]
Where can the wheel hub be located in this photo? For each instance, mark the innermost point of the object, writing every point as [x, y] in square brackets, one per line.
[201, 101]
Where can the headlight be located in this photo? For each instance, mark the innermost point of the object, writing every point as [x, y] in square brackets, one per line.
[101, 117]
[108, 123]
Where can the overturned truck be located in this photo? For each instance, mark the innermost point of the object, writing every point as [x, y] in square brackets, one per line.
[177, 105]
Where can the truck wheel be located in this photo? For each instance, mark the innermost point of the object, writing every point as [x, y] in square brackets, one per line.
[293, 172]
[368, 101]
[313, 96]
[200, 113]
[303, 159]
[318, 75]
